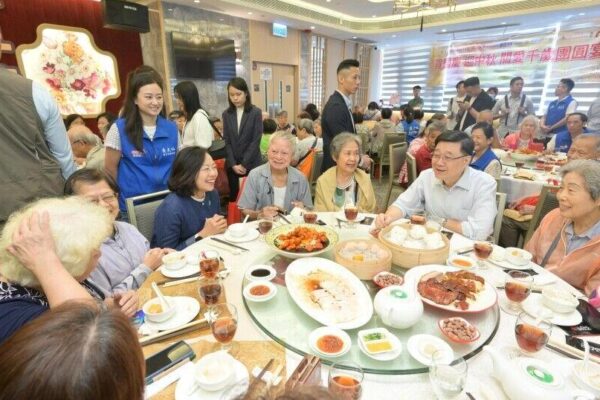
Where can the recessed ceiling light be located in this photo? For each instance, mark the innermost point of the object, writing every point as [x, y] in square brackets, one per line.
[249, 12]
[444, 30]
[393, 35]
[196, 1]
[582, 14]
[329, 1]
[353, 37]
[170, 9]
[504, 23]
[221, 19]
[374, 15]
[312, 27]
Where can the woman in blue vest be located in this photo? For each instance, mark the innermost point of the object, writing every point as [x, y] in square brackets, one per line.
[484, 158]
[141, 145]
[410, 124]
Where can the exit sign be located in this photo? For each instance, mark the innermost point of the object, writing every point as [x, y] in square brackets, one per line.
[279, 30]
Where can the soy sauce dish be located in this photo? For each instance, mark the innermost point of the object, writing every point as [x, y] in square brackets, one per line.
[259, 291]
[261, 273]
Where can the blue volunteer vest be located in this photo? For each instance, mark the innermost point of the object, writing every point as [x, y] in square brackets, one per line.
[411, 130]
[564, 141]
[483, 161]
[557, 111]
[148, 171]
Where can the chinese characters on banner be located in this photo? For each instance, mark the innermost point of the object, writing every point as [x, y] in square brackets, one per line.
[576, 54]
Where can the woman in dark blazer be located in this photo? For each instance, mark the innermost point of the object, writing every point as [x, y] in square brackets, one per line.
[242, 131]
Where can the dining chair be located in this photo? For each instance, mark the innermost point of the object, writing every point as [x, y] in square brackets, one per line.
[397, 153]
[141, 210]
[500, 206]
[411, 168]
[384, 157]
[546, 203]
[316, 170]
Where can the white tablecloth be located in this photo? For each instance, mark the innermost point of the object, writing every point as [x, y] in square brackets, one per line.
[380, 387]
[518, 188]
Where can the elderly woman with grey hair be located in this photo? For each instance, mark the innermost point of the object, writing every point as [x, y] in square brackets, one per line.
[567, 242]
[275, 186]
[345, 181]
[306, 140]
[523, 139]
[47, 250]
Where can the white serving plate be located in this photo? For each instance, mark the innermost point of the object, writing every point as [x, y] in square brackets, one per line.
[534, 306]
[186, 310]
[485, 299]
[188, 270]
[273, 233]
[303, 266]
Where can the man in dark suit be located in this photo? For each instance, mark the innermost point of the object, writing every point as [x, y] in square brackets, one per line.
[337, 113]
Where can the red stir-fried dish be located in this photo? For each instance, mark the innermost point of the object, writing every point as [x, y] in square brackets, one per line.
[302, 239]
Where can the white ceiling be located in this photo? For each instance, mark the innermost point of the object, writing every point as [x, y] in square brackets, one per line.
[353, 7]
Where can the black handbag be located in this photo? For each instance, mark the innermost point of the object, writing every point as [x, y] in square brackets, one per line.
[217, 148]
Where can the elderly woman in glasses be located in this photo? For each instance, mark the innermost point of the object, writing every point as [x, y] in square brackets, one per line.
[191, 212]
[275, 186]
[126, 259]
[524, 138]
[567, 242]
[47, 251]
[345, 181]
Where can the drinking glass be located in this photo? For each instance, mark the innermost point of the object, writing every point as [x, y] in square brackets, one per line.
[519, 165]
[310, 216]
[345, 381]
[350, 211]
[209, 264]
[448, 379]
[210, 290]
[531, 333]
[517, 287]
[265, 224]
[483, 249]
[223, 323]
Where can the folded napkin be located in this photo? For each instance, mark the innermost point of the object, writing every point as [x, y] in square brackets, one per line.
[525, 174]
[517, 216]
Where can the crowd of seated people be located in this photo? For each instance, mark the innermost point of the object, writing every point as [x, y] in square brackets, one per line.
[76, 262]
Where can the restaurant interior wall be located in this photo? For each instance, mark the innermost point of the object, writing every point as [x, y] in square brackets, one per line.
[196, 21]
[19, 20]
[406, 66]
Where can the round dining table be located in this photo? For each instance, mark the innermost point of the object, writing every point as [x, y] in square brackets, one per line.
[481, 384]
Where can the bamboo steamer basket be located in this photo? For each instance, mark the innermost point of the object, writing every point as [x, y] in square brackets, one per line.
[407, 258]
[364, 270]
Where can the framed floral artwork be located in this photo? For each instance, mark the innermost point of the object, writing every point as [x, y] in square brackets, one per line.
[80, 76]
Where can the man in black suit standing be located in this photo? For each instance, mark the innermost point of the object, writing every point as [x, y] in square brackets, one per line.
[337, 113]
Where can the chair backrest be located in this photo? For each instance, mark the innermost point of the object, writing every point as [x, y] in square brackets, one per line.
[500, 205]
[546, 203]
[411, 168]
[316, 168]
[389, 138]
[397, 158]
[141, 210]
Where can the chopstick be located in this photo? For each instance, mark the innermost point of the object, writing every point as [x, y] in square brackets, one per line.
[181, 281]
[228, 243]
[259, 377]
[574, 352]
[201, 323]
[283, 217]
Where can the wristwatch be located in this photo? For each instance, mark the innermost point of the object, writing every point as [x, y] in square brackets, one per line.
[197, 237]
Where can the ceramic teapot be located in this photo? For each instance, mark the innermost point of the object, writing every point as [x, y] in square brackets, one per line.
[399, 306]
[524, 378]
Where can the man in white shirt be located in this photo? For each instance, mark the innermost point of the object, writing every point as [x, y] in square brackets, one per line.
[453, 105]
[461, 198]
[512, 108]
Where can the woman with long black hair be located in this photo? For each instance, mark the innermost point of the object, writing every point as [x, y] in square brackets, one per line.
[142, 144]
[198, 130]
[242, 131]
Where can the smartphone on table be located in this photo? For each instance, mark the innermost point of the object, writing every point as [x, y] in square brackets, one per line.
[159, 362]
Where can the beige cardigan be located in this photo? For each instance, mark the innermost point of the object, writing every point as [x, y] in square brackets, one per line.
[326, 185]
